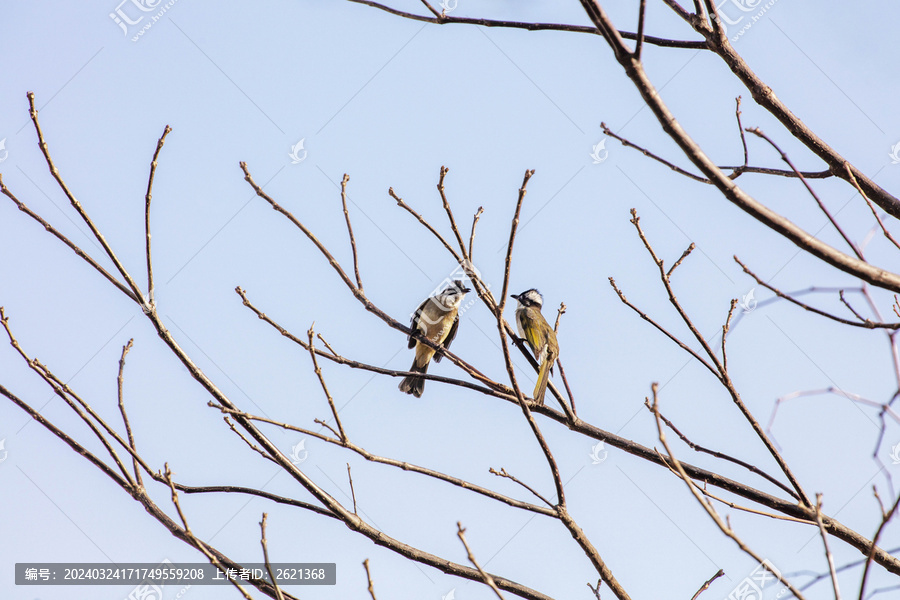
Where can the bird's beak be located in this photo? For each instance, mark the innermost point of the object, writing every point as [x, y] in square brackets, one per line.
[466, 290]
[516, 296]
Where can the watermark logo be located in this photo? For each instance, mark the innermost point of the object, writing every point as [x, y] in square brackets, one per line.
[299, 453]
[895, 454]
[4, 454]
[448, 6]
[599, 153]
[145, 591]
[451, 595]
[148, 591]
[894, 154]
[598, 453]
[748, 301]
[751, 587]
[298, 154]
[131, 13]
[4, 153]
[737, 13]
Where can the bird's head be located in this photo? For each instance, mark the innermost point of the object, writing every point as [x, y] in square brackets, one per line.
[452, 295]
[528, 298]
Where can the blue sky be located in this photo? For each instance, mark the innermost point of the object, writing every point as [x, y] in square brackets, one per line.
[389, 101]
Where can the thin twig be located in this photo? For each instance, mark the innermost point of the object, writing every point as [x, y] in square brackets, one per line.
[737, 115]
[828, 556]
[706, 584]
[440, 187]
[344, 182]
[725, 333]
[369, 577]
[475, 218]
[120, 380]
[352, 491]
[150, 299]
[681, 258]
[488, 580]
[318, 370]
[559, 313]
[640, 30]
[562, 374]
[503, 473]
[655, 157]
[265, 549]
[253, 446]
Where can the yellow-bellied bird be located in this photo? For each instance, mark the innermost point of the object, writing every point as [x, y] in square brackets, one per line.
[540, 337]
[438, 320]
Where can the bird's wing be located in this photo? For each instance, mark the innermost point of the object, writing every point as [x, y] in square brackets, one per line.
[414, 324]
[535, 331]
[450, 335]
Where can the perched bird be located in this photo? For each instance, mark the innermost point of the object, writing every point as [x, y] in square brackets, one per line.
[540, 337]
[438, 320]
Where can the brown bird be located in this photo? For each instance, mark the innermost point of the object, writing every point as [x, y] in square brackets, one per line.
[438, 320]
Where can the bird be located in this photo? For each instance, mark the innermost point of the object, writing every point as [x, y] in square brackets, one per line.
[540, 337]
[437, 318]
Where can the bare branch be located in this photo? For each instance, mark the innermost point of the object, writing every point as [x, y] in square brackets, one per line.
[756, 131]
[442, 19]
[427, 225]
[855, 183]
[722, 524]
[723, 456]
[136, 291]
[78, 251]
[866, 324]
[197, 542]
[886, 517]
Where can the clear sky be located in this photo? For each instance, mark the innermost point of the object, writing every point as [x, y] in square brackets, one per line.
[388, 101]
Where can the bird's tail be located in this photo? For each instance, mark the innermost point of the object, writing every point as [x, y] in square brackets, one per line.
[413, 384]
[543, 379]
